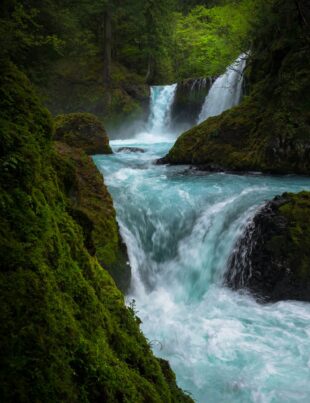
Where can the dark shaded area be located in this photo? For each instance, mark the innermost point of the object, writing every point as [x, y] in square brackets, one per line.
[189, 98]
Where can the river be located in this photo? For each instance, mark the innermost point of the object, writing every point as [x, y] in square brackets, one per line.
[180, 226]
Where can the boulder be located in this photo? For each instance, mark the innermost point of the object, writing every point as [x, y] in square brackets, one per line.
[82, 130]
[130, 150]
[272, 259]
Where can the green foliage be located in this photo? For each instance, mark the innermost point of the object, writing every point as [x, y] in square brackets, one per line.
[207, 40]
[61, 46]
[66, 334]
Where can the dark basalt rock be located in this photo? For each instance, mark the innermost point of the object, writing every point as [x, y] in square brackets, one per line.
[130, 150]
[189, 98]
[272, 259]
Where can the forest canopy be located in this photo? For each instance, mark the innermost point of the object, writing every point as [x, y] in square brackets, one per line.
[160, 40]
[100, 56]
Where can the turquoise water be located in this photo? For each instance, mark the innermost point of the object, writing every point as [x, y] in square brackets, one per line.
[180, 227]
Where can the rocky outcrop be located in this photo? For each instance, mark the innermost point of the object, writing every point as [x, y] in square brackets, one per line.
[82, 130]
[79, 134]
[272, 259]
[270, 130]
[92, 207]
[189, 98]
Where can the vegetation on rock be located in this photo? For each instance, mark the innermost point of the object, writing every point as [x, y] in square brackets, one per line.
[82, 130]
[270, 130]
[66, 334]
[92, 208]
[273, 256]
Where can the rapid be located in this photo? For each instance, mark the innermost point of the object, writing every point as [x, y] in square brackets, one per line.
[181, 226]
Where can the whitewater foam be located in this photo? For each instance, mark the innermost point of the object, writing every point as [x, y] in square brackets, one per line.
[180, 231]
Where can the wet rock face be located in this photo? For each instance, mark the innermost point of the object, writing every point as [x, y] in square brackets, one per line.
[189, 98]
[82, 130]
[272, 259]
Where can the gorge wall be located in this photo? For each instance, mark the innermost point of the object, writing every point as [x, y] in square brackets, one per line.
[66, 333]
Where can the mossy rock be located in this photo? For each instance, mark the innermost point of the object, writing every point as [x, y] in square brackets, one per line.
[82, 130]
[270, 130]
[66, 334]
[92, 207]
[273, 257]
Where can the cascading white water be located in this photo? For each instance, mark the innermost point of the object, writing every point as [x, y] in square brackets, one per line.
[225, 92]
[181, 228]
[160, 111]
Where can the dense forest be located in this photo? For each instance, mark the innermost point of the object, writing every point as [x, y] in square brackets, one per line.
[196, 232]
[98, 55]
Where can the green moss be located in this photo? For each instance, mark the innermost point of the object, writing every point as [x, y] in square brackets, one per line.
[92, 207]
[82, 130]
[296, 241]
[292, 245]
[66, 334]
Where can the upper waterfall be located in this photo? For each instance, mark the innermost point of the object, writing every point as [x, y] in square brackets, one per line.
[160, 110]
[225, 92]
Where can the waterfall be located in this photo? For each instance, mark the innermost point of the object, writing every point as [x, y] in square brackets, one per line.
[225, 92]
[160, 111]
[181, 228]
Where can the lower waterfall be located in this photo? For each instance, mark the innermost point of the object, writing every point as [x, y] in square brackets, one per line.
[181, 227]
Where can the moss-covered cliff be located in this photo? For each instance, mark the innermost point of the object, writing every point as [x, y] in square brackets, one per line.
[66, 334]
[272, 259]
[270, 130]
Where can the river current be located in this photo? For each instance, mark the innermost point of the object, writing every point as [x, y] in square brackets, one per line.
[180, 226]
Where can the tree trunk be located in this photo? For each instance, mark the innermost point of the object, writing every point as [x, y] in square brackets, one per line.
[150, 71]
[107, 56]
